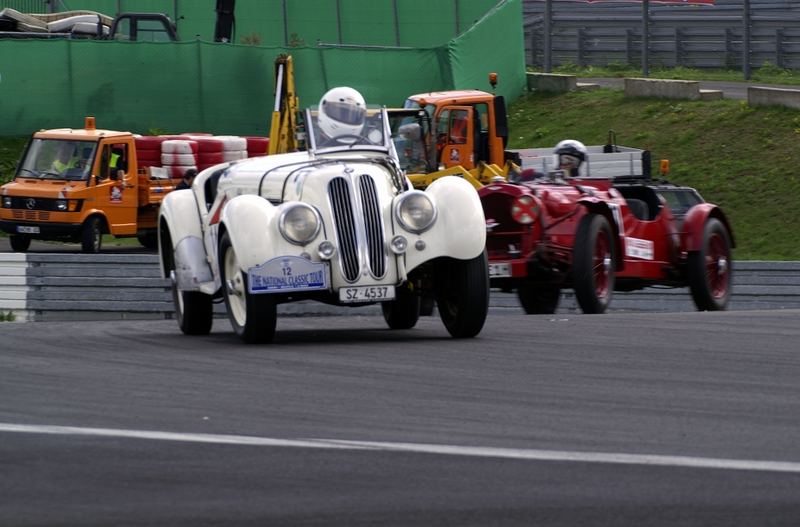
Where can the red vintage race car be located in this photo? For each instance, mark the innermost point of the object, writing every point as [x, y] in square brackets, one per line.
[607, 227]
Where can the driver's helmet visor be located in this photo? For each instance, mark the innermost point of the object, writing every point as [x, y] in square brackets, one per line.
[345, 112]
[569, 160]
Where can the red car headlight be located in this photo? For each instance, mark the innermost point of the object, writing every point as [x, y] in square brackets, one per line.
[524, 210]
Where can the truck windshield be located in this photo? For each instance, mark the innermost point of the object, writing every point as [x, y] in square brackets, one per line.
[58, 159]
[411, 136]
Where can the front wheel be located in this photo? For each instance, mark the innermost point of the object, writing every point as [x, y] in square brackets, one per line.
[92, 235]
[19, 242]
[462, 294]
[593, 264]
[538, 299]
[710, 268]
[403, 311]
[253, 317]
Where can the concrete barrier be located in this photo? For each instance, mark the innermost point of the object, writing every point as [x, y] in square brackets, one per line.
[45, 287]
[668, 89]
[762, 96]
[552, 82]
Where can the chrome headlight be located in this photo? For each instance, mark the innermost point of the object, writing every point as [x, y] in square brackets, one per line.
[61, 205]
[7, 202]
[415, 211]
[299, 223]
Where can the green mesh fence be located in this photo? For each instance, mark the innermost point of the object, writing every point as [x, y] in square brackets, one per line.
[200, 86]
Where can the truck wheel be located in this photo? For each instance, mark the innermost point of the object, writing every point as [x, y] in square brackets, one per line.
[253, 317]
[538, 299]
[462, 294]
[403, 311]
[593, 264]
[92, 235]
[709, 269]
[19, 242]
[149, 240]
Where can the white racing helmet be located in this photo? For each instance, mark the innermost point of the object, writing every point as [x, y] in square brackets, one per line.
[342, 113]
[571, 154]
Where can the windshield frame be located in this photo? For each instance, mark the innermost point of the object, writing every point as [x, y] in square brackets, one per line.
[42, 153]
[379, 125]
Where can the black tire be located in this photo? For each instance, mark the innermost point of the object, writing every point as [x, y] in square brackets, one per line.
[427, 303]
[593, 263]
[403, 311]
[149, 240]
[92, 235]
[462, 294]
[253, 317]
[711, 268]
[19, 242]
[538, 299]
[194, 310]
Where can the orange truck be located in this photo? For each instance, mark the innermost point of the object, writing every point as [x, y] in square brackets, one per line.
[78, 184]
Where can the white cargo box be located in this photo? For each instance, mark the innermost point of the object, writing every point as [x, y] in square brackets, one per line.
[626, 162]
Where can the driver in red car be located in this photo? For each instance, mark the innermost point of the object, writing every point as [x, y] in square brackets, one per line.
[570, 155]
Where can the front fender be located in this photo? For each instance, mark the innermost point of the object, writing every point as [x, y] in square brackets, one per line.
[694, 225]
[613, 214]
[252, 226]
[460, 228]
[179, 218]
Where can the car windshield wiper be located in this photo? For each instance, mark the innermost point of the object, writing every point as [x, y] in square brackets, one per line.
[54, 174]
[29, 171]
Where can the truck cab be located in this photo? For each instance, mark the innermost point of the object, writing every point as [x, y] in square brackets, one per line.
[470, 126]
[76, 185]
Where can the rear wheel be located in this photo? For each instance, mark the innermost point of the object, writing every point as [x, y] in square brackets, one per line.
[19, 242]
[149, 239]
[462, 294]
[194, 310]
[92, 235]
[538, 299]
[403, 311]
[593, 264]
[253, 317]
[710, 268]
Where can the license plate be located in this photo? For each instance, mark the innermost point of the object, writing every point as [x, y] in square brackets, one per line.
[286, 274]
[367, 293]
[26, 229]
[499, 270]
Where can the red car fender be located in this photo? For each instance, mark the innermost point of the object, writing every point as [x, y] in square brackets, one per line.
[598, 206]
[695, 221]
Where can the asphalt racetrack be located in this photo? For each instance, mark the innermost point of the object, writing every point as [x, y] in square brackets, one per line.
[684, 419]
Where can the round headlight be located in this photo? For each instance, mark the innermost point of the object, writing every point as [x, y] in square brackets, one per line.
[61, 204]
[299, 223]
[7, 202]
[415, 211]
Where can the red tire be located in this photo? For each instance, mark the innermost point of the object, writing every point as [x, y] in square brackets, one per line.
[210, 158]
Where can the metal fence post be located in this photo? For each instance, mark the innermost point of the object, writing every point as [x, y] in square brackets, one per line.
[779, 47]
[548, 42]
[746, 40]
[678, 46]
[581, 46]
[645, 38]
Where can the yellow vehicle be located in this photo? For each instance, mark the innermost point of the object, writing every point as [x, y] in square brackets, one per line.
[78, 184]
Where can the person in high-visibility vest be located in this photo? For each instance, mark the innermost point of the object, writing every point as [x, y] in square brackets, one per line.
[66, 158]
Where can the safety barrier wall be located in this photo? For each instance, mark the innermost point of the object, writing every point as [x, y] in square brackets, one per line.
[229, 89]
[42, 287]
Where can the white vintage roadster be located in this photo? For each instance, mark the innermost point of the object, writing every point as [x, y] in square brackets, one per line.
[338, 223]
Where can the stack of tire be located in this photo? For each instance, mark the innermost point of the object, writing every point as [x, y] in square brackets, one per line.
[209, 151]
[178, 156]
[148, 150]
[234, 147]
[257, 146]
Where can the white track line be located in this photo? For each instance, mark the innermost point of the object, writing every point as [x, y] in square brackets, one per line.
[420, 448]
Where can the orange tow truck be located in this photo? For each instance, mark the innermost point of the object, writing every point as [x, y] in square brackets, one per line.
[469, 130]
[78, 184]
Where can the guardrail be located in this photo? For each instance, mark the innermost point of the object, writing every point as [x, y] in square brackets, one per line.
[60, 287]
